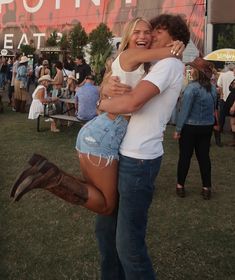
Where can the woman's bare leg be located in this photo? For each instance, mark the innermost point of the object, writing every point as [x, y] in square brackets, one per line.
[97, 193]
[101, 181]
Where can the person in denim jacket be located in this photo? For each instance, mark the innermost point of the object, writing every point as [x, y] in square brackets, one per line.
[21, 85]
[194, 125]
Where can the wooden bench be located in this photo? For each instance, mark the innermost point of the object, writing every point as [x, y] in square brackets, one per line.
[61, 117]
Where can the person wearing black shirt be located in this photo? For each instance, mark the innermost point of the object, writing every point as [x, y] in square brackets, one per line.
[82, 69]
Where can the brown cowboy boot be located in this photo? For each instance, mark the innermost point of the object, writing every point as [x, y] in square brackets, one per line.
[33, 164]
[49, 177]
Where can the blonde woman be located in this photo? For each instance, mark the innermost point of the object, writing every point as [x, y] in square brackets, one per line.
[98, 141]
[71, 86]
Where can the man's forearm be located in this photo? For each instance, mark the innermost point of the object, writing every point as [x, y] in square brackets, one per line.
[118, 104]
[113, 87]
[130, 102]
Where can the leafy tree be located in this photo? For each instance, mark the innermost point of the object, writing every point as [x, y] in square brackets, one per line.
[77, 39]
[226, 37]
[52, 40]
[27, 49]
[99, 39]
[64, 42]
[100, 48]
[98, 63]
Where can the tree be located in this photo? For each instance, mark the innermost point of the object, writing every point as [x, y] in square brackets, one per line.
[100, 48]
[27, 49]
[77, 39]
[52, 39]
[64, 42]
[226, 37]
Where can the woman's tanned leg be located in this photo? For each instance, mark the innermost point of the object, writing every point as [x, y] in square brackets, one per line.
[101, 180]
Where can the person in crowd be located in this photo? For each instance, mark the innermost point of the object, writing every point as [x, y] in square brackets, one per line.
[215, 76]
[31, 77]
[10, 89]
[161, 89]
[86, 98]
[53, 70]
[232, 122]
[69, 64]
[16, 60]
[40, 98]
[195, 125]
[70, 92]
[82, 69]
[229, 109]
[20, 85]
[107, 66]
[3, 72]
[71, 86]
[44, 70]
[58, 80]
[217, 133]
[224, 80]
[37, 67]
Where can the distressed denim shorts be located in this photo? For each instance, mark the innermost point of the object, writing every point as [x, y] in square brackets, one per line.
[102, 136]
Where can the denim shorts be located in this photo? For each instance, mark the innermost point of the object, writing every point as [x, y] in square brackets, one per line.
[102, 136]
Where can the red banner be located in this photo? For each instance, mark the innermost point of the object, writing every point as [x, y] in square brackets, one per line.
[24, 20]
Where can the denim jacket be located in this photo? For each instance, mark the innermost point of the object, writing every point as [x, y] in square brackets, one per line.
[197, 106]
[22, 74]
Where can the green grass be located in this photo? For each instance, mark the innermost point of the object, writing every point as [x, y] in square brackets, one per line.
[44, 238]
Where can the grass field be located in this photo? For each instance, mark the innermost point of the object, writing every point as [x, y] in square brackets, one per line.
[43, 238]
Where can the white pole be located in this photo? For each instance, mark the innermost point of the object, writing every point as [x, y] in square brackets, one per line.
[208, 42]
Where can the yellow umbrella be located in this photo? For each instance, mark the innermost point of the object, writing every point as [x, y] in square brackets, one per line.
[221, 55]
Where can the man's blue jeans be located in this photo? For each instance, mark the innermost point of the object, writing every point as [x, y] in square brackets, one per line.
[121, 236]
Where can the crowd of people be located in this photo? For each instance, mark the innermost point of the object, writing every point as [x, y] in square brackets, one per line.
[120, 150]
[66, 80]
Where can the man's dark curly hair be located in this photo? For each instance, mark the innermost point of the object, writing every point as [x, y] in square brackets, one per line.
[174, 24]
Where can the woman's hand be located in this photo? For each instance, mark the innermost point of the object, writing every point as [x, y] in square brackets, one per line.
[177, 48]
[114, 87]
[176, 135]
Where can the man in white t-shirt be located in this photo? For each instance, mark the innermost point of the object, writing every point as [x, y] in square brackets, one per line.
[224, 81]
[121, 236]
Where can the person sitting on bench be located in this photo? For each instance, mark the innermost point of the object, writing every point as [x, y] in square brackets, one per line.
[39, 99]
[86, 98]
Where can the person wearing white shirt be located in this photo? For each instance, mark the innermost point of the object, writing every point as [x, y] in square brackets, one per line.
[122, 235]
[224, 81]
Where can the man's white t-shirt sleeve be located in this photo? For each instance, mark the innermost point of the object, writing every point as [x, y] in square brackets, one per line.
[162, 72]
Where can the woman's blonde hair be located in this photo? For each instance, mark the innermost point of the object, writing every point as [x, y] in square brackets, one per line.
[128, 31]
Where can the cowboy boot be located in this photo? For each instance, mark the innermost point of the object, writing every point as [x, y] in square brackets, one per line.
[33, 164]
[49, 177]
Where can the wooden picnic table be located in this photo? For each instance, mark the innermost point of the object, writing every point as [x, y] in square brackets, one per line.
[63, 114]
